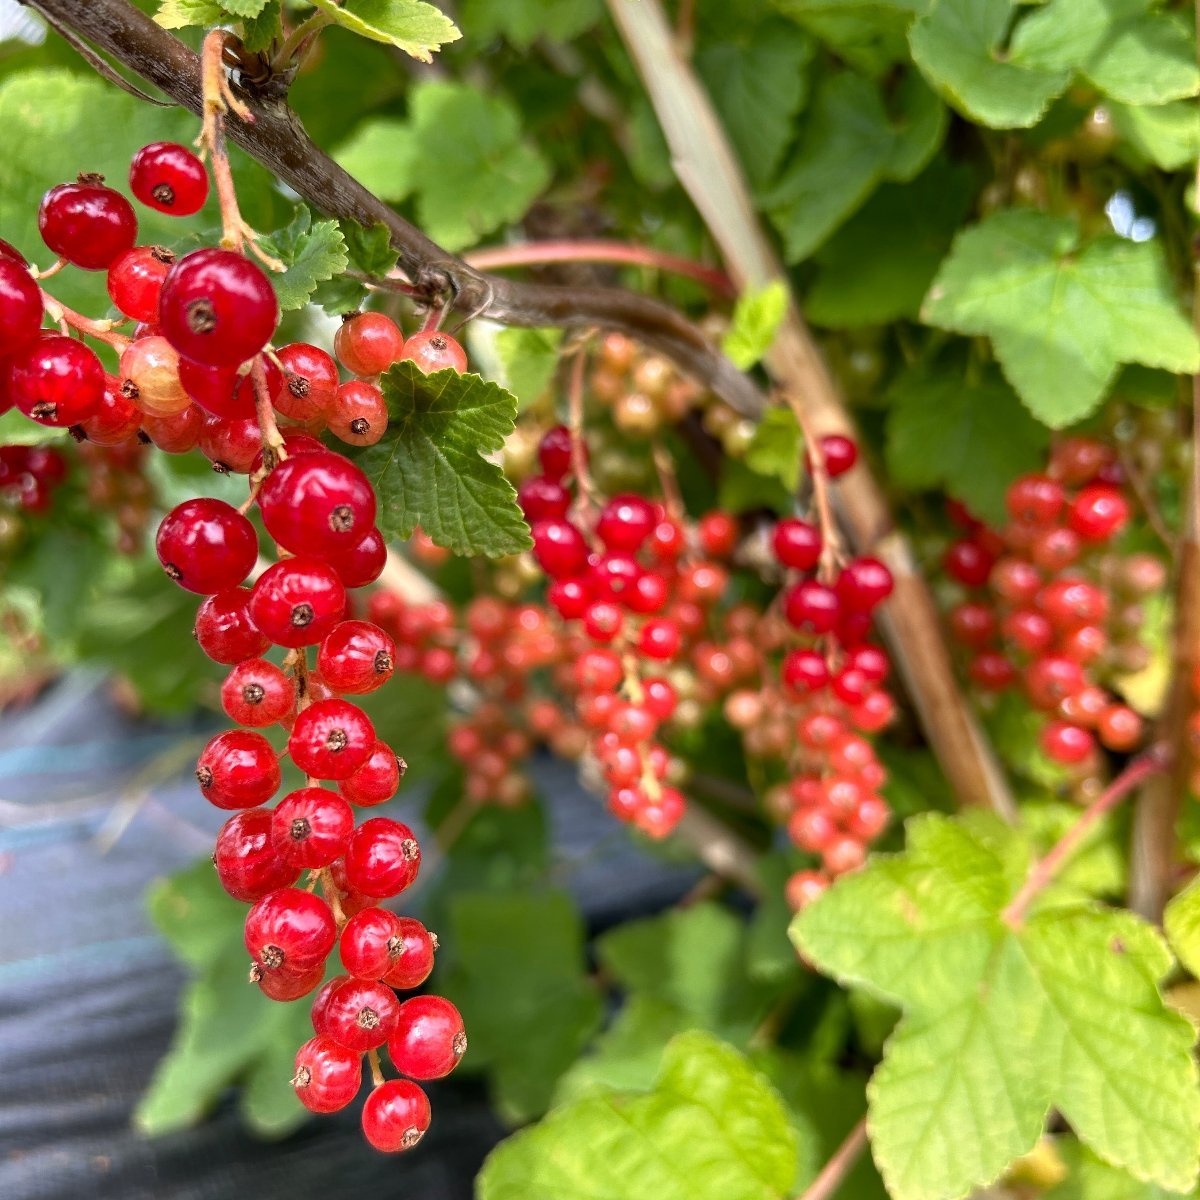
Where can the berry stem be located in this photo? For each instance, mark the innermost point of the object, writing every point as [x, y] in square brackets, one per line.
[1153, 762]
[101, 330]
[587, 502]
[52, 270]
[273, 447]
[832, 552]
[669, 482]
[533, 254]
[834, 1172]
[299, 43]
[376, 1070]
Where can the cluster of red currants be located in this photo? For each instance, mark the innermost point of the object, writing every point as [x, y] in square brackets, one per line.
[29, 475]
[1049, 611]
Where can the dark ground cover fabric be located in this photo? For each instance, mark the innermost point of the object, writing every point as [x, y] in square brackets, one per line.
[88, 989]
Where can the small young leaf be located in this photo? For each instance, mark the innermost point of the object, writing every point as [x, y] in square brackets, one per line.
[260, 30]
[777, 447]
[180, 14]
[312, 253]
[370, 250]
[429, 469]
[413, 26]
[1063, 314]
[756, 320]
[243, 9]
[340, 295]
[528, 360]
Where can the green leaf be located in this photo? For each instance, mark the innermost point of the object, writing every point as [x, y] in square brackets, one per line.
[429, 468]
[870, 37]
[228, 1030]
[1181, 923]
[711, 1129]
[1002, 1023]
[487, 175]
[1062, 314]
[523, 22]
[259, 31]
[370, 249]
[413, 26]
[756, 320]
[849, 144]
[519, 979]
[742, 489]
[972, 438]
[879, 265]
[1128, 52]
[340, 295]
[777, 447]
[243, 9]
[758, 85]
[1090, 1178]
[1167, 134]
[528, 361]
[958, 46]
[179, 14]
[312, 254]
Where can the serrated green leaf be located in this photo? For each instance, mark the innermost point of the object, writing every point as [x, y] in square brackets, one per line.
[879, 265]
[259, 31]
[1090, 1178]
[243, 9]
[957, 45]
[429, 469]
[848, 145]
[487, 175]
[1181, 923]
[528, 360]
[1002, 1023]
[180, 14]
[339, 296]
[712, 1129]
[870, 37]
[523, 22]
[971, 437]
[777, 447]
[370, 250]
[756, 320]
[1128, 52]
[1062, 314]
[1166, 134]
[526, 1000]
[312, 254]
[413, 26]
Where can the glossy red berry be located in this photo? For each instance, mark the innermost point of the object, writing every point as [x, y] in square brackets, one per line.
[298, 601]
[797, 544]
[1119, 728]
[115, 419]
[360, 1014]
[358, 413]
[206, 545]
[225, 630]
[1066, 743]
[1098, 513]
[20, 307]
[238, 769]
[175, 433]
[811, 607]
[170, 178]
[376, 780]
[246, 862]
[356, 657]
[309, 382]
[414, 964]
[331, 739]
[136, 278]
[429, 1040]
[368, 343]
[395, 1116]
[310, 827]
[290, 930]
[554, 453]
[435, 351]
[972, 623]
[217, 308]
[383, 858]
[282, 986]
[560, 549]
[805, 671]
[230, 445]
[55, 380]
[863, 584]
[257, 693]
[327, 1075]
[86, 223]
[371, 943]
[317, 503]
[839, 453]
[543, 499]
[625, 523]
[1035, 500]
[968, 563]
[660, 639]
[218, 390]
[364, 563]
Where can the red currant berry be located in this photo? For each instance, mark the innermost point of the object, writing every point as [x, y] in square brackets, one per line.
[176, 433]
[331, 739]
[217, 308]
[298, 601]
[718, 534]
[554, 453]
[364, 563]
[283, 986]
[434, 351]
[136, 278]
[805, 671]
[309, 383]
[218, 390]
[115, 419]
[358, 413]
[395, 1116]
[1120, 728]
[1035, 500]
[230, 445]
[20, 307]
[803, 888]
[1098, 513]
[290, 930]
[356, 657]
[863, 584]
[1066, 743]
[660, 639]
[368, 343]
[226, 631]
[87, 223]
[371, 943]
[968, 563]
[376, 780]
[1069, 603]
[559, 548]
[414, 964]
[317, 504]
[625, 523]
[206, 545]
[543, 499]
[383, 858]
[429, 1040]
[310, 827]
[797, 544]
[1028, 630]
[1054, 549]
[992, 671]
[327, 1076]
[257, 693]
[55, 380]
[657, 818]
[1051, 679]
[360, 1014]
[238, 769]
[1015, 580]
[246, 862]
[839, 454]
[170, 178]
[811, 607]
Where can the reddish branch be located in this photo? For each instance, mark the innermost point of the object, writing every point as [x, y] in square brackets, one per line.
[833, 1173]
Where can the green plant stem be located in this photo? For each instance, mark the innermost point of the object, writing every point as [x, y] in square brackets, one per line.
[833, 1173]
[1153, 762]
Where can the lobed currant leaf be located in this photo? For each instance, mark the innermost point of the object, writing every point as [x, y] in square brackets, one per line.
[523, 22]
[417, 28]
[260, 29]
[311, 252]
[429, 469]
[528, 359]
[757, 316]
[1168, 135]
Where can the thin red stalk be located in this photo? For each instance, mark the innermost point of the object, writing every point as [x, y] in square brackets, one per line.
[832, 552]
[1152, 762]
[833, 1173]
[533, 254]
[101, 330]
[579, 460]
